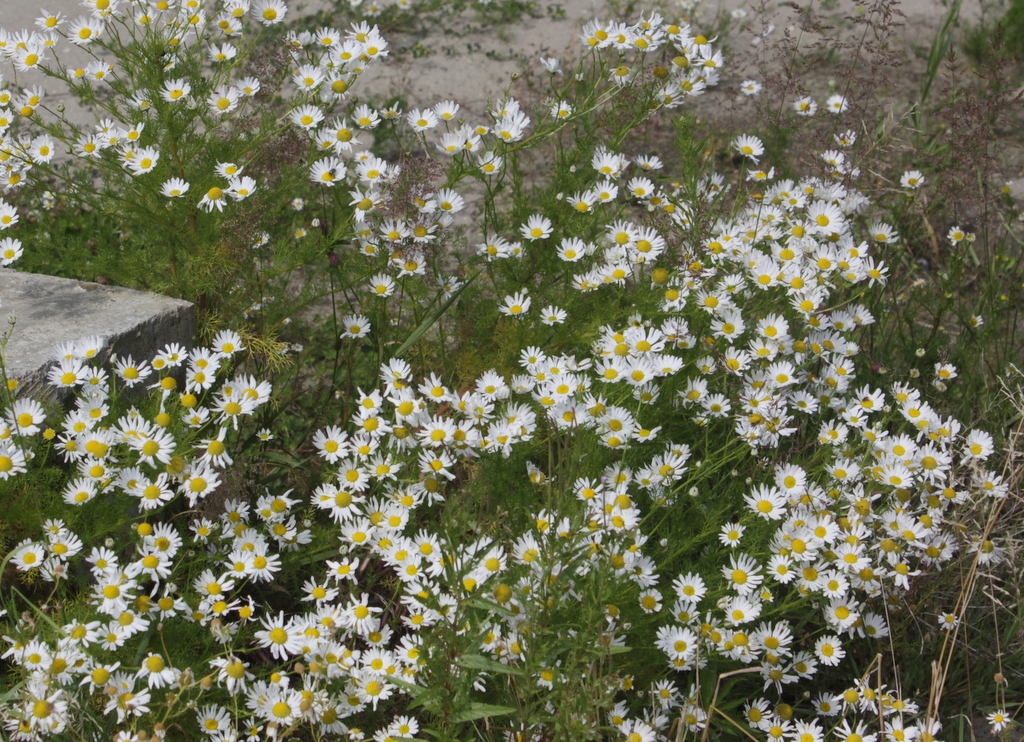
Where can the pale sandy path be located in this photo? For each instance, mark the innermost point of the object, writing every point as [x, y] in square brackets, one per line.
[474, 77]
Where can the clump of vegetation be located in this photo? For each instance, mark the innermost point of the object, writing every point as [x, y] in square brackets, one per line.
[577, 419]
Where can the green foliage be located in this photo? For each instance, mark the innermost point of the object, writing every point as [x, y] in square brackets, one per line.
[995, 38]
[447, 533]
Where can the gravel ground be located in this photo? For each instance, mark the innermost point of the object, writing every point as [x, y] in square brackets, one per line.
[476, 65]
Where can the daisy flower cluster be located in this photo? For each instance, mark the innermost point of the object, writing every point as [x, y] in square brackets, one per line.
[201, 43]
[407, 228]
[849, 538]
[408, 224]
[695, 63]
[733, 377]
[10, 247]
[178, 452]
[748, 341]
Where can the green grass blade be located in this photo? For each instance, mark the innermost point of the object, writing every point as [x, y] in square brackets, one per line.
[429, 321]
[939, 48]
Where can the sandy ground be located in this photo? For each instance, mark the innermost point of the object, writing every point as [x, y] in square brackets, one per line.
[474, 66]
[475, 76]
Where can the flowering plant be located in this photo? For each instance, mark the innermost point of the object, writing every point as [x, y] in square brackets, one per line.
[616, 469]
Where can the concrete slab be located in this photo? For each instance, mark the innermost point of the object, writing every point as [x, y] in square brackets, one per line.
[50, 310]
